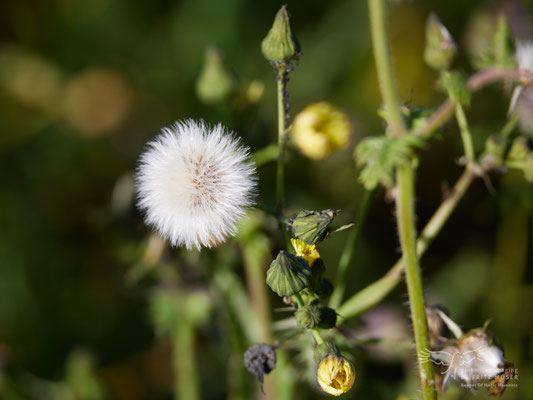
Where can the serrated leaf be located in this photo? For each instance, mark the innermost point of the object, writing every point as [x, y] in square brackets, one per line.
[288, 274]
[379, 157]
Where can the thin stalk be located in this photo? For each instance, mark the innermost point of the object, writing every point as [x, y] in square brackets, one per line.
[466, 136]
[407, 231]
[405, 198]
[382, 55]
[510, 125]
[282, 140]
[348, 251]
[186, 382]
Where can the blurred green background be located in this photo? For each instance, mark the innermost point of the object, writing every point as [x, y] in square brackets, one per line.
[85, 84]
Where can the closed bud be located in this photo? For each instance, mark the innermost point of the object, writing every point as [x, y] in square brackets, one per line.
[440, 47]
[335, 374]
[216, 82]
[281, 45]
[312, 316]
[312, 226]
[288, 274]
[324, 349]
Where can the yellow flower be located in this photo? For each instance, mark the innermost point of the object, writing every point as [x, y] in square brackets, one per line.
[308, 252]
[335, 374]
[320, 129]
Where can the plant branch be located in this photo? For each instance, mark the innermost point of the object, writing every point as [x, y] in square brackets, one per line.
[376, 291]
[466, 136]
[405, 214]
[186, 382]
[348, 251]
[405, 181]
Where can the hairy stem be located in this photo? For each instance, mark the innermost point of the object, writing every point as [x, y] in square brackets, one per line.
[405, 212]
[348, 251]
[376, 291]
[382, 55]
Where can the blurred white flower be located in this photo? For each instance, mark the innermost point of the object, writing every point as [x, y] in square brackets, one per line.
[524, 59]
[194, 183]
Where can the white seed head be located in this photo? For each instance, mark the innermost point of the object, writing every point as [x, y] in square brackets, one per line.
[524, 55]
[194, 183]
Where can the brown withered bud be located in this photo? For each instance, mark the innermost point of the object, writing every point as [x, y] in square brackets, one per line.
[260, 359]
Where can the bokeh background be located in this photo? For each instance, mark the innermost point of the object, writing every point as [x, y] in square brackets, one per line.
[85, 84]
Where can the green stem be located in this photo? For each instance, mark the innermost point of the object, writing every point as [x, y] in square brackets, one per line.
[348, 251]
[405, 198]
[510, 125]
[466, 136]
[186, 382]
[282, 140]
[382, 55]
[407, 231]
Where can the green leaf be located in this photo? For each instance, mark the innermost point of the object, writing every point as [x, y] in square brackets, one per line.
[379, 156]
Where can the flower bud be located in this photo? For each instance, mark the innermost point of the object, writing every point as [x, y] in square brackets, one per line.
[324, 349]
[281, 45]
[260, 359]
[319, 129]
[288, 274]
[215, 83]
[311, 317]
[440, 47]
[312, 226]
[335, 374]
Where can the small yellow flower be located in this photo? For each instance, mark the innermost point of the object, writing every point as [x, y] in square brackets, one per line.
[308, 252]
[335, 374]
[320, 129]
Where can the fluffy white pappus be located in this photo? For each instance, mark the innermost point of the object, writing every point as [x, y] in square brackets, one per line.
[194, 183]
[524, 54]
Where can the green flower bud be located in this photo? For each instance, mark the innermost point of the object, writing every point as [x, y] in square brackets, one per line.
[281, 45]
[440, 47]
[312, 316]
[325, 288]
[288, 274]
[317, 271]
[324, 349]
[216, 82]
[311, 227]
[308, 317]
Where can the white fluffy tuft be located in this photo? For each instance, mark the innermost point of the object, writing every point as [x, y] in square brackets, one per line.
[194, 183]
[524, 55]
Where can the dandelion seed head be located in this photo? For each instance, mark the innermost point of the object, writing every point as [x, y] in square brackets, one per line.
[194, 183]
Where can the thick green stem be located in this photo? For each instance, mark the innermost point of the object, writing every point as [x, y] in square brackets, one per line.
[405, 214]
[466, 136]
[186, 383]
[348, 251]
[405, 201]
[382, 55]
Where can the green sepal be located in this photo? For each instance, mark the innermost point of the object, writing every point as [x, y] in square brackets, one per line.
[454, 83]
[324, 349]
[288, 274]
[311, 227]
